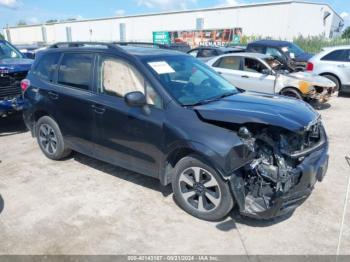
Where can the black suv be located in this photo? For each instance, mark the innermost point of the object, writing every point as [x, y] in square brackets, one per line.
[167, 115]
[289, 54]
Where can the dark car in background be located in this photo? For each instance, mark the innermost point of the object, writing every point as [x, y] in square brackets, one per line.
[289, 54]
[169, 116]
[13, 68]
[205, 53]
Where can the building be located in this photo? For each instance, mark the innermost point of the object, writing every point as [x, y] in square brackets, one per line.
[279, 20]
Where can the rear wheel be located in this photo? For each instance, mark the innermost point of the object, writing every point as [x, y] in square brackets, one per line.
[291, 92]
[335, 81]
[50, 139]
[200, 190]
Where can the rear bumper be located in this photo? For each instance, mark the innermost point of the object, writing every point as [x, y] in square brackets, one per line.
[10, 105]
[312, 169]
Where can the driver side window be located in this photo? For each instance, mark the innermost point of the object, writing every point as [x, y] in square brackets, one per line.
[254, 66]
[117, 78]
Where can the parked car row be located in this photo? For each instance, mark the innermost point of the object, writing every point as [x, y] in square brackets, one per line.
[168, 115]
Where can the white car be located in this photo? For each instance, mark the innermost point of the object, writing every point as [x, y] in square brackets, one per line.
[262, 73]
[333, 63]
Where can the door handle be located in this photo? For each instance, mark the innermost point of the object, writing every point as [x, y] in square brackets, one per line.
[220, 73]
[245, 76]
[98, 109]
[53, 95]
[341, 66]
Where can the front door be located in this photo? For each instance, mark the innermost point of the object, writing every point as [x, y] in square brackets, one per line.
[131, 137]
[253, 78]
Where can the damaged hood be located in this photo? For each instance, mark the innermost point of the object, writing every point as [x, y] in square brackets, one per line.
[315, 80]
[250, 107]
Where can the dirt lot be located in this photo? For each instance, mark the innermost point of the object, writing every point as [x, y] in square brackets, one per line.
[84, 206]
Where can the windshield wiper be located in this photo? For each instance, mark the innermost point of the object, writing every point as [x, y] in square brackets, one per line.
[216, 98]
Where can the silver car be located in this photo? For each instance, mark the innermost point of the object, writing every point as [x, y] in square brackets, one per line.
[263, 73]
[333, 63]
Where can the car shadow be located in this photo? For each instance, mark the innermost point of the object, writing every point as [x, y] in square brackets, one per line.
[142, 180]
[237, 218]
[2, 204]
[12, 125]
[323, 106]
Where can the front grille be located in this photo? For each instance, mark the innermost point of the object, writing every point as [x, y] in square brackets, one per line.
[10, 84]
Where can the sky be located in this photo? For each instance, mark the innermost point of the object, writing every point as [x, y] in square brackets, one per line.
[39, 11]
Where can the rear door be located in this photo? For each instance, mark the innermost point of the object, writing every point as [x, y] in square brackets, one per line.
[253, 79]
[340, 59]
[127, 136]
[73, 100]
[230, 67]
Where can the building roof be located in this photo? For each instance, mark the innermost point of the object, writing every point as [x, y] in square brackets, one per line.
[282, 2]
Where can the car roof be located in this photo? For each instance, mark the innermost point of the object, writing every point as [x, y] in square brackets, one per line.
[221, 48]
[249, 55]
[276, 43]
[131, 50]
[330, 48]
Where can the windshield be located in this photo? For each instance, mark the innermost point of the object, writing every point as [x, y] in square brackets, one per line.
[8, 51]
[293, 48]
[190, 81]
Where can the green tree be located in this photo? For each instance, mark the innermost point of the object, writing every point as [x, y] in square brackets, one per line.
[346, 33]
[21, 22]
[1, 37]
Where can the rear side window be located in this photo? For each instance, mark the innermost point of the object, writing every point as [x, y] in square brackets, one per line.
[47, 66]
[229, 62]
[75, 70]
[338, 56]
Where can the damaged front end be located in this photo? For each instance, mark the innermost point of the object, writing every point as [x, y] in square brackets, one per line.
[284, 171]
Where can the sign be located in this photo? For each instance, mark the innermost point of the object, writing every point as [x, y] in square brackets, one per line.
[195, 38]
[161, 38]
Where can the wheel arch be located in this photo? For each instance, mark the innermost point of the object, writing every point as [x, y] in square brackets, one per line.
[37, 115]
[178, 153]
[334, 75]
[293, 88]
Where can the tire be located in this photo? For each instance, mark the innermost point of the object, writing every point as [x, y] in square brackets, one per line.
[291, 92]
[50, 139]
[334, 80]
[195, 182]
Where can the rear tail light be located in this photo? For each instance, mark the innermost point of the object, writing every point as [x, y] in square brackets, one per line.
[309, 66]
[25, 83]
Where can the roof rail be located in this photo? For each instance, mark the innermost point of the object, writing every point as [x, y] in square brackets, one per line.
[85, 44]
[139, 44]
[184, 47]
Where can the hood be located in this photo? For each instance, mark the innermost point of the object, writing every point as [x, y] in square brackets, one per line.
[15, 64]
[250, 107]
[304, 57]
[315, 80]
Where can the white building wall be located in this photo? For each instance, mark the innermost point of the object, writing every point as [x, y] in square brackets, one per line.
[279, 21]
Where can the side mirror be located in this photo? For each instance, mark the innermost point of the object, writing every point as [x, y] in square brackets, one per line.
[135, 99]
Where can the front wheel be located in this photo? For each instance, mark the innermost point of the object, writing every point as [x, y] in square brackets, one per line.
[200, 190]
[291, 93]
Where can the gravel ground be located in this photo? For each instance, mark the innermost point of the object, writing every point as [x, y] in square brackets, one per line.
[84, 206]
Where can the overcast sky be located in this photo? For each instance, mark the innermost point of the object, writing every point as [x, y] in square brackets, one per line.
[37, 11]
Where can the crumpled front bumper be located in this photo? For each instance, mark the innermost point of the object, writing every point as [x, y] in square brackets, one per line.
[313, 169]
[10, 105]
[324, 96]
